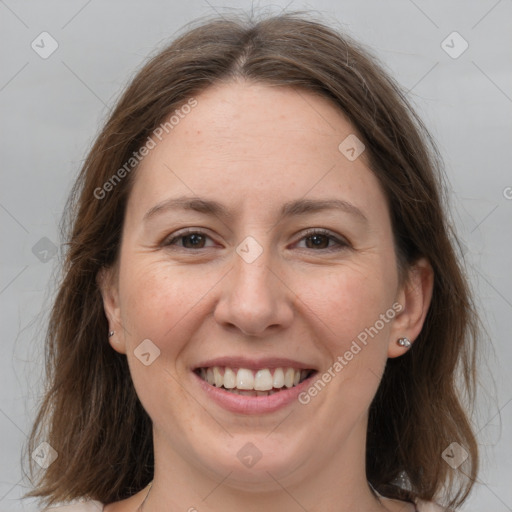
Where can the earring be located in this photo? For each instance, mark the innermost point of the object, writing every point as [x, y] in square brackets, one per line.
[404, 342]
[111, 333]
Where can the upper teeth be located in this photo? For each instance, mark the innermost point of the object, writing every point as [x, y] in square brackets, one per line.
[259, 380]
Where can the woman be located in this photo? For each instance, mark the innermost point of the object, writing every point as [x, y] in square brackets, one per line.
[261, 306]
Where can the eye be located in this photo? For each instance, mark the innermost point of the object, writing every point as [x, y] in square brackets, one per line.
[189, 239]
[315, 238]
[321, 238]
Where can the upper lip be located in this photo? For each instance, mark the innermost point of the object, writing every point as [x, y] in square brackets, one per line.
[254, 364]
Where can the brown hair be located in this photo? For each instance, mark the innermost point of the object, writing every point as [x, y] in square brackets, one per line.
[91, 414]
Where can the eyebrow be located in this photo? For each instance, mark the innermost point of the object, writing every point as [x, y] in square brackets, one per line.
[290, 209]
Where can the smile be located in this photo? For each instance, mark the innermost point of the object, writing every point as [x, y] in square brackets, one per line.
[248, 382]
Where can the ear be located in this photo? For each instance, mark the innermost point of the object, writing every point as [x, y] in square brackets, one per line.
[106, 280]
[414, 297]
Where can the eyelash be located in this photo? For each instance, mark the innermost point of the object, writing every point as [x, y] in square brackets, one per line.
[341, 244]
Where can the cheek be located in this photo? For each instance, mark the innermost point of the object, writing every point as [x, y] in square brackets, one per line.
[158, 302]
[347, 301]
[157, 298]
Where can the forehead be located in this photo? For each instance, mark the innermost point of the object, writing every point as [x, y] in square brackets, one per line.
[253, 142]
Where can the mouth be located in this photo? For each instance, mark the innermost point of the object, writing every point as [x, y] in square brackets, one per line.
[254, 382]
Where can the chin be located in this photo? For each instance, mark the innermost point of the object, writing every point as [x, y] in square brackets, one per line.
[254, 465]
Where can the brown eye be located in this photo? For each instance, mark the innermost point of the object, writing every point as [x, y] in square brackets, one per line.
[323, 240]
[318, 241]
[196, 240]
[188, 240]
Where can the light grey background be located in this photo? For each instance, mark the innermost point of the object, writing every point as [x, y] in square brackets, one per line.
[52, 108]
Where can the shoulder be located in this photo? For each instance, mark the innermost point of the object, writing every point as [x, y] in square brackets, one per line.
[81, 505]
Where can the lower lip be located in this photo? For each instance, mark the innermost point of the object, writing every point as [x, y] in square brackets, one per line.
[253, 404]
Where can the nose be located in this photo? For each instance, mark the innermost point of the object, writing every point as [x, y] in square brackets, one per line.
[254, 298]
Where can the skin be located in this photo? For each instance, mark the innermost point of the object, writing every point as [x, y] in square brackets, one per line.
[254, 147]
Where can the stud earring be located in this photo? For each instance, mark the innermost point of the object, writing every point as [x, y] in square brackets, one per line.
[404, 342]
[111, 333]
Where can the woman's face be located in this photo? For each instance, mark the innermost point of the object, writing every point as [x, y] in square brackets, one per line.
[257, 242]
